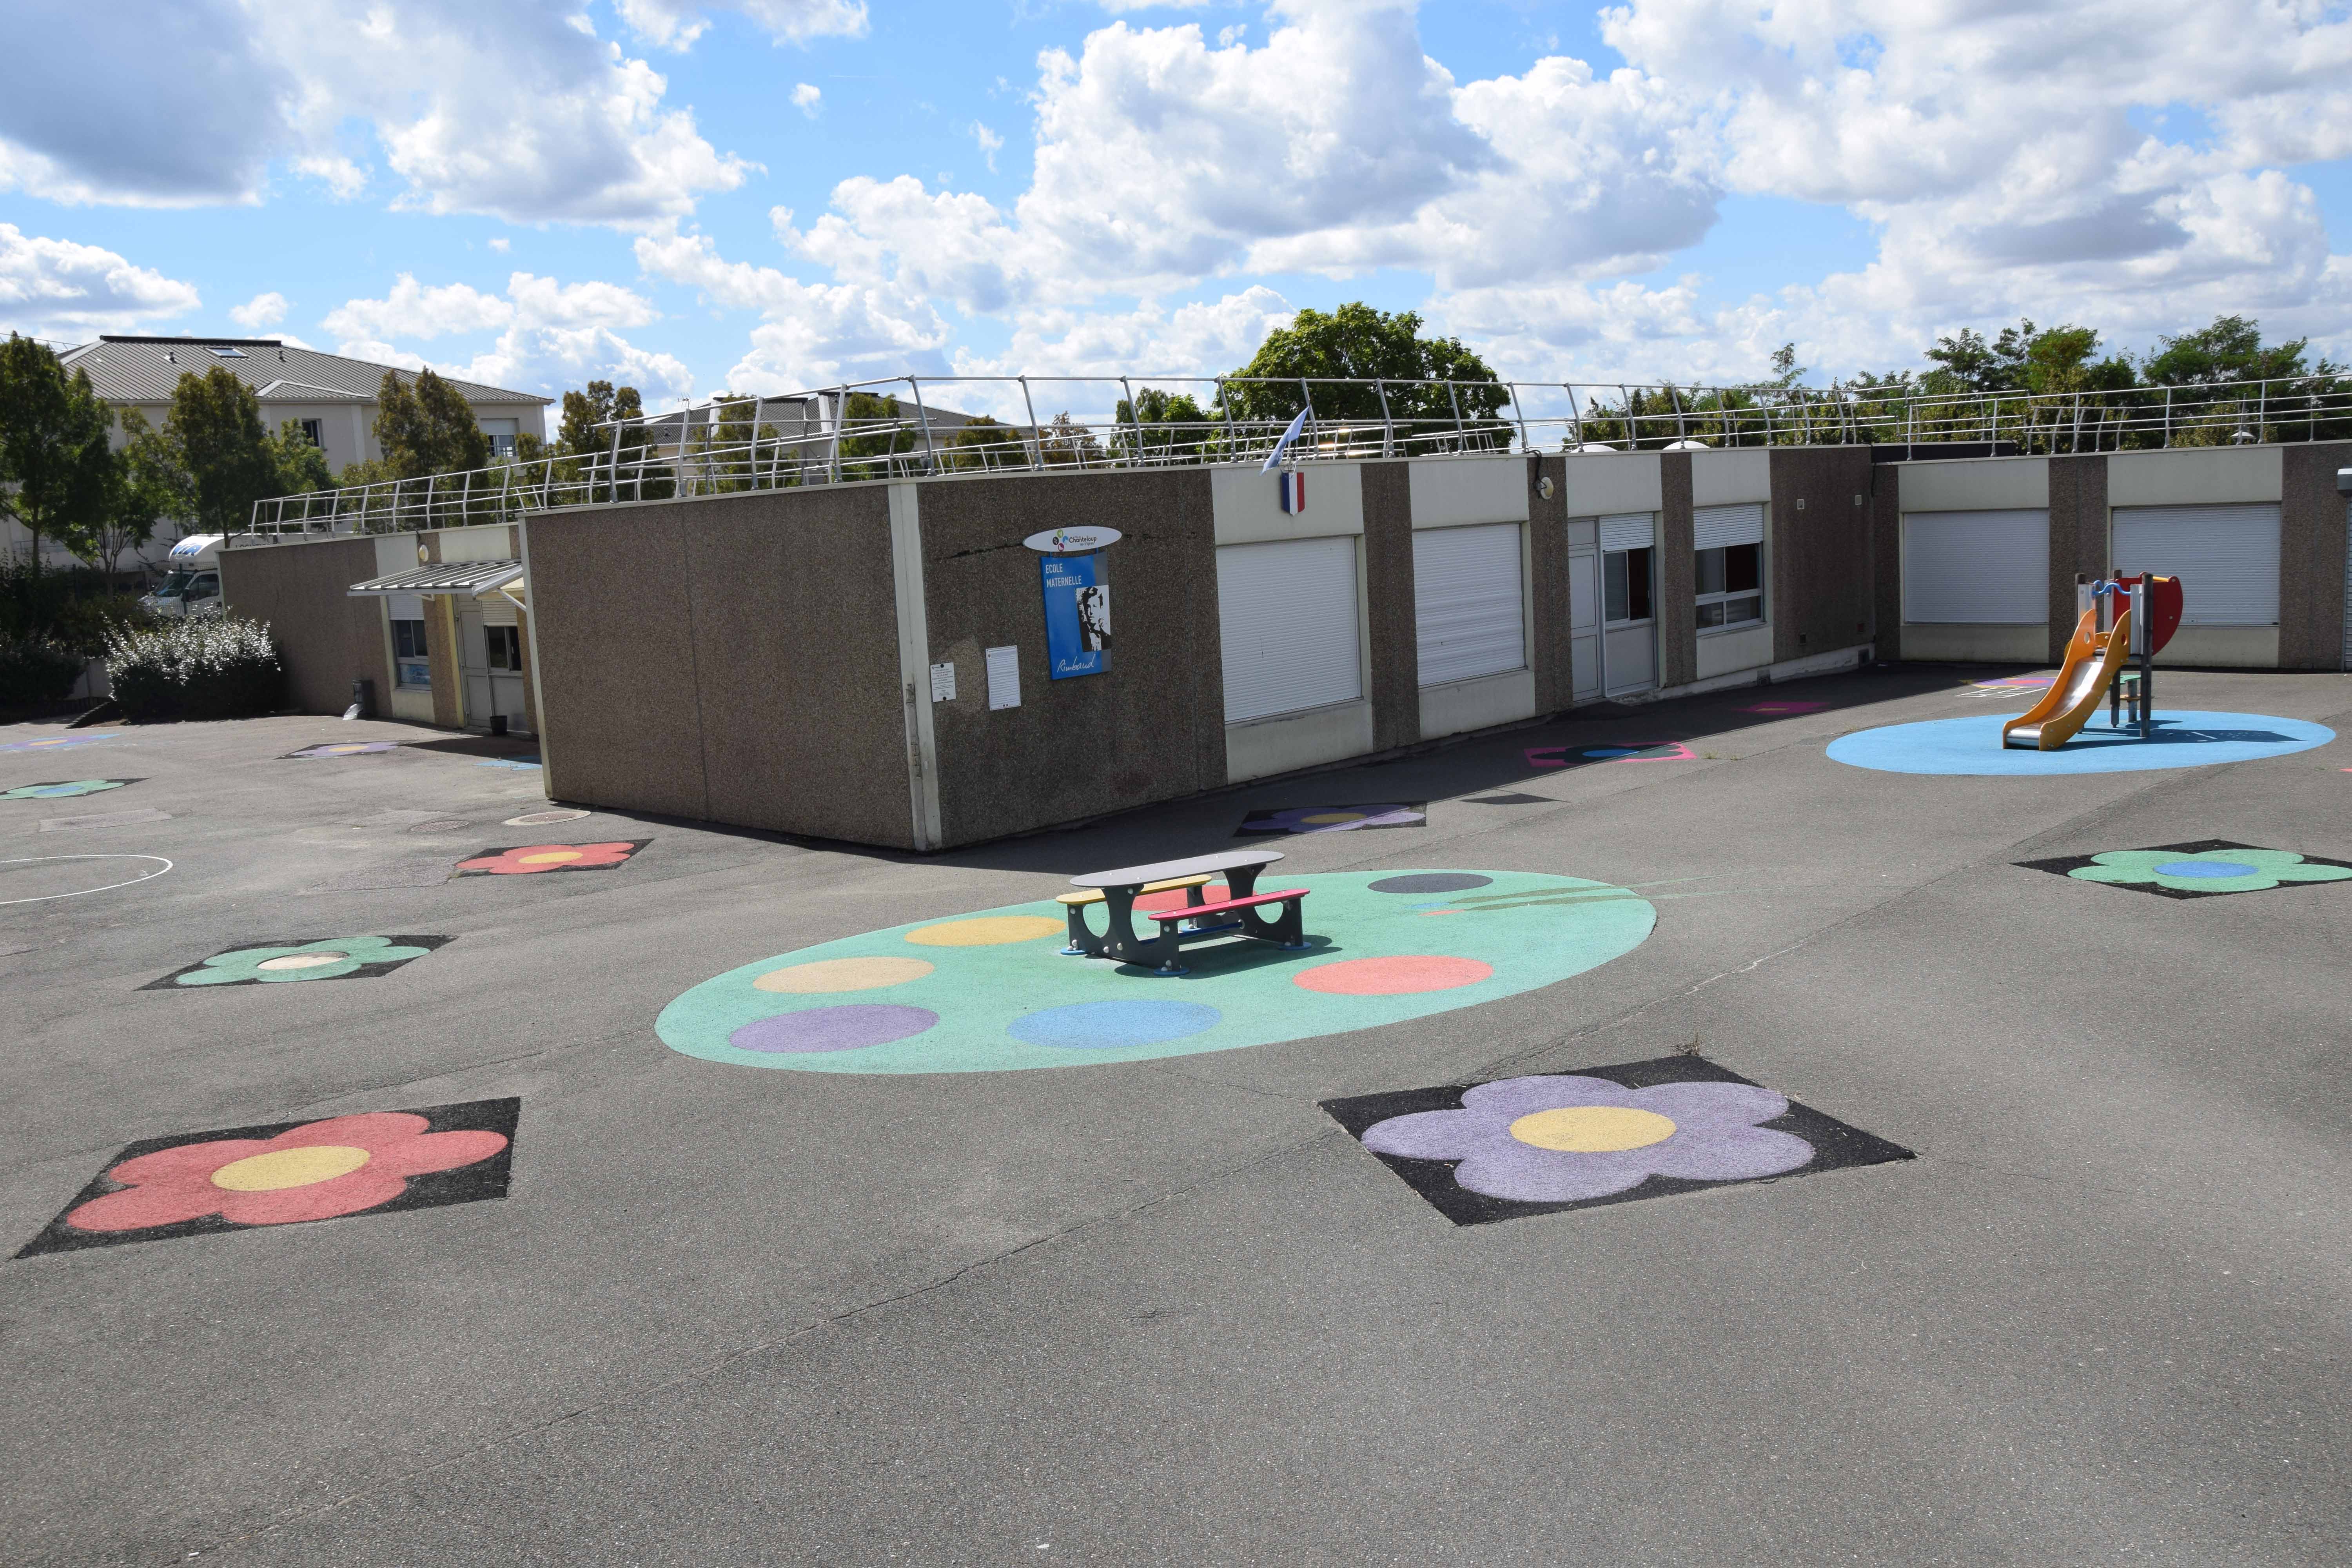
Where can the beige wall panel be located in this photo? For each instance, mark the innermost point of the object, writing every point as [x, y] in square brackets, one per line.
[1976, 644]
[1450, 490]
[1726, 478]
[1469, 705]
[1248, 504]
[1976, 484]
[2223, 648]
[2190, 476]
[1269, 746]
[1721, 653]
[493, 542]
[1600, 484]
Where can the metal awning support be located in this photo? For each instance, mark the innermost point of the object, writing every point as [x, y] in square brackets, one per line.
[472, 578]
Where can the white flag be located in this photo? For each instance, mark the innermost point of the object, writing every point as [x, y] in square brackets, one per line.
[1288, 436]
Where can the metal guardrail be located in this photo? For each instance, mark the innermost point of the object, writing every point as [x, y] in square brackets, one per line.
[864, 431]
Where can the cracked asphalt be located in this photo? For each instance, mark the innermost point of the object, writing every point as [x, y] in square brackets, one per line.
[1167, 1312]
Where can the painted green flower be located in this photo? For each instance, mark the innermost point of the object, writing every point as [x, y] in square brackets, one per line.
[2206, 870]
[60, 791]
[324, 959]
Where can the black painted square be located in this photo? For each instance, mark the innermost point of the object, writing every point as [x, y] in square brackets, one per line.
[299, 960]
[1519, 1140]
[1355, 818]
[290, 1173]
[2201, 869]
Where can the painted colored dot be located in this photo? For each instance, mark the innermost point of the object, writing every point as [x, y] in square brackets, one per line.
[1611, 751]
[850, 1027]
[843, 975]
[343, 751]
[1400, 976]
[1109, 1026]
[2207, 868]
[302, 960]
[1322, 819]
[988, 931]
[283, 1168]
[1592, 1129]
[1431, 882]
[550, 857]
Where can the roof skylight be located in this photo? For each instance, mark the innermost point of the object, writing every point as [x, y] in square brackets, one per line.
[224, 352]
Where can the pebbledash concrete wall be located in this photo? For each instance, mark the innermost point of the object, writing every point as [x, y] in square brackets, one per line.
[326, 638]
[766, 659]
[2082, 495]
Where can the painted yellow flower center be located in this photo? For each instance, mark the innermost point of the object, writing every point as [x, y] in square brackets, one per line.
[302, 960]
[550, 857]
[1592, 1129]
[289, 1168]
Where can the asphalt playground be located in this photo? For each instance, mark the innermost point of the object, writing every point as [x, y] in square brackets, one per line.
[2076, 1290]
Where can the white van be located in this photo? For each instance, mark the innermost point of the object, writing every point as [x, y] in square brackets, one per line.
[193, 586]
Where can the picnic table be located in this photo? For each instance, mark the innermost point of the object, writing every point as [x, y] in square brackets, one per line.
[1196, 921]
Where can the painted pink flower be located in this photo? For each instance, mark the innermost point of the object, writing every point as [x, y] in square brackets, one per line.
[316, 1171]
[533, 858]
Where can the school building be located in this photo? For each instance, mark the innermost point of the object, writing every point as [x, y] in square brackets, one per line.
[869, 660]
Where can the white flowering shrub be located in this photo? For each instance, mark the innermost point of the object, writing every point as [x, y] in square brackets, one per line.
[213, 668]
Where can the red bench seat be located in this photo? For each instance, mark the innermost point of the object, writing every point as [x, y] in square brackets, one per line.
[1198, 911]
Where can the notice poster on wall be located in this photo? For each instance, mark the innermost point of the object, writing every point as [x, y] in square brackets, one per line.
[1078, 615]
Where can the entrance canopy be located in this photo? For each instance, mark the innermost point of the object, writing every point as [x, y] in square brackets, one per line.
[473, 578]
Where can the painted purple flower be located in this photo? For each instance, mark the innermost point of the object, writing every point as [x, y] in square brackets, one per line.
[1333, 818]
[1564, 1139]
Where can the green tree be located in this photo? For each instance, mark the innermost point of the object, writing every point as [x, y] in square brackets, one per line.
[214, 427]
[579, 436]
[1357, 342]
[427, 428]
[2231, 349]
[148, 484]
[1186, 428]
[53, 447]
[301, 467]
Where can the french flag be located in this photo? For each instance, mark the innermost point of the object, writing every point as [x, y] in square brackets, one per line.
[1294, 491]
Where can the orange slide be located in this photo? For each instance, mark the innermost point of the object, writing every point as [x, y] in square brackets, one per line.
[2092, 658]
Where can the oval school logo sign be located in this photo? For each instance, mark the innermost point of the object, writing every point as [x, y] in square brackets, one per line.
[1072, 540]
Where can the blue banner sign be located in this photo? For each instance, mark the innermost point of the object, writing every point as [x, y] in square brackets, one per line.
[1078, 615]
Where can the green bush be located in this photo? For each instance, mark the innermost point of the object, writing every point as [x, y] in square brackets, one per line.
[34, 671]
[211, 668]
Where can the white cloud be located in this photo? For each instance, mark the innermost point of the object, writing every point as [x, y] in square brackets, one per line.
[551, 334]
[808, 100]
[510, 111]
[261, 312]
[59, 289]
[990, 143]
[342, 178]
[809, 334]
[502, 244]
[675, 24]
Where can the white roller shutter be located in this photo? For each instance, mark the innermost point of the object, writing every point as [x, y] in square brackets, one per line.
[1627, 530]
[404, 606]
[2227, 558]
[1286, 612]
[1467, 603]
[1977, 568]
[1719, 527]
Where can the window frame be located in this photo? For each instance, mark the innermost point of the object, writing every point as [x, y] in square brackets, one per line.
[1649, 586]
[1722, 599]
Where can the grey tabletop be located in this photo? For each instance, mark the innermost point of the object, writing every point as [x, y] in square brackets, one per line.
[1135, 875]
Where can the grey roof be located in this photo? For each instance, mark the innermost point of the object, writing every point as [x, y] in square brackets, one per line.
[145, 370]
[453, 577]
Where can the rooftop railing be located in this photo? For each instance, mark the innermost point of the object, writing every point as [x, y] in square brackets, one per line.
[899, 428]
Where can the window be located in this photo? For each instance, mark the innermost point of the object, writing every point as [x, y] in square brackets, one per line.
[315, 432]
[1626, 585]
[224, 352]
[505, 647]
[412, 664]
[1977, 568]
[1287, 610]
[502, 433]
[1466, 604]
[1730, 586]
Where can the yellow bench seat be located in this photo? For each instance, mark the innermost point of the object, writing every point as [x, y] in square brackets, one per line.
[1094, 895]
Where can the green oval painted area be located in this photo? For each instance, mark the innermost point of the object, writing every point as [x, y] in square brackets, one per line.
[990, 991]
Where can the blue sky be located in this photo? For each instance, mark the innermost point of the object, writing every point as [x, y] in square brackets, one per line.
[769, 194]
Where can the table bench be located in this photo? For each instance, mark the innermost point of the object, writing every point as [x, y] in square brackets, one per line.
[1119, 890]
